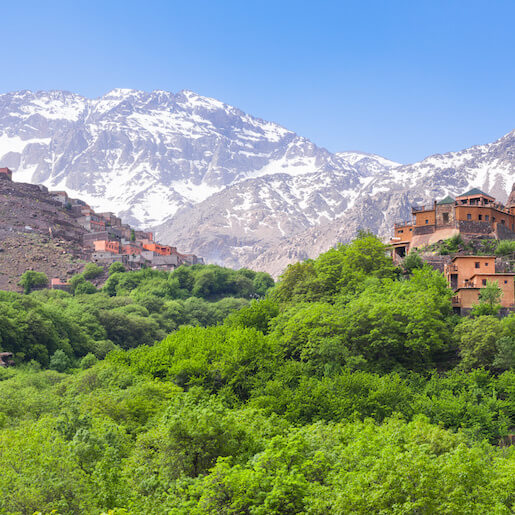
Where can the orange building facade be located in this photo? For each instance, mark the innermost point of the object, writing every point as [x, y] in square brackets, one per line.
[107, 246]
[162, 250]
[473, 213]
[5, 173]
[467, 275]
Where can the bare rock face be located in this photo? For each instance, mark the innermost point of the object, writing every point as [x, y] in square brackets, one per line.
[212, 179]
[511, 198]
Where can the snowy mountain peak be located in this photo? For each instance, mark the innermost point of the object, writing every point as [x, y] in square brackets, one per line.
[227, 185]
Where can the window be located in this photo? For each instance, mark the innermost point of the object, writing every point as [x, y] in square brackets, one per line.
[445, 217]
[486, 263]
[503, 221]
[410, 230]
[505, 281]
[487, 217]
[476, 264]
[493, 218]
[480, 217]
[401, 231]
[427, 221]
[484, 282]
[469, 216]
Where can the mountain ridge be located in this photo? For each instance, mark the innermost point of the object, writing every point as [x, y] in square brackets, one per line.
[234, 188]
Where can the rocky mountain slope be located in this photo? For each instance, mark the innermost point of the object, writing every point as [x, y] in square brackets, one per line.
[242, 227]
[233, 188]
[36, 234]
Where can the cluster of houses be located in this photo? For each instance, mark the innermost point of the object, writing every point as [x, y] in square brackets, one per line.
[108, 240]
[112, 241]
[473, 214]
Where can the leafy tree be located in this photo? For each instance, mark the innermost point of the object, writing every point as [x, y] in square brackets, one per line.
[60, 361]
[88, 361]
[489, 298]
[92, 271]
[31, 279]
[505, 248]
[116, 267]
[258, 314]
[262, 282]
[85, 287]
[411, 262]
[476, 339]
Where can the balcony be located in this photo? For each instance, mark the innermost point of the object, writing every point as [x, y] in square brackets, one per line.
[455, 301]
[402, 225]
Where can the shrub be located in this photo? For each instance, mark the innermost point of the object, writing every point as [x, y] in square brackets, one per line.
[60, 361]
[116, 267]
[92, 271]
[31, 279]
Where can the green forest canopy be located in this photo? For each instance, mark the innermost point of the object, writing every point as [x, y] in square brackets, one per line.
[348, 387]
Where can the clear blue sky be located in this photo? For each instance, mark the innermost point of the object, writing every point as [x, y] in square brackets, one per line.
[404, 79]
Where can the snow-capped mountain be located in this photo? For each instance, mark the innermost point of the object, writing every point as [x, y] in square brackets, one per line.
[279, 219]
[147, 155]
[233, 188]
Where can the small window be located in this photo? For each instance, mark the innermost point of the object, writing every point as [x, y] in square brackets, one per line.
[487, 218]
[505, 281]
[503, 221]
[476, 264]
[486, 263]
[401, 230]
[480, 217]
[493, 218]
[410, 230]
[427, 221]
[484, 282]
[469, 216]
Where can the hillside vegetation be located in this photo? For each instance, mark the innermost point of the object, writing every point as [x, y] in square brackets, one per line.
[348, 387]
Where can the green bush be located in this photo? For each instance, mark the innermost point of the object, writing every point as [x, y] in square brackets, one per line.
[505, 248]
[92, 271]
[31, 279]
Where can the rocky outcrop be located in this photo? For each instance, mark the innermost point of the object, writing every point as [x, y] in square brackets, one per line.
[36, 233]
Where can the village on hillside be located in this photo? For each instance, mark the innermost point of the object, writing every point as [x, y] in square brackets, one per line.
[472, 216]
[107, 240]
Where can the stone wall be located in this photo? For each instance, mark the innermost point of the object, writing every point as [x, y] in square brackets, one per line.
[447, 209]
[474, 227]
[424, 229]
[504, 233]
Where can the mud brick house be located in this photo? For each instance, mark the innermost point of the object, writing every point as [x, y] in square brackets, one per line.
[160, 261]
[5, 173]
[6, 359]
[112, 247]
[162, 250]
[471, 214]
[132, 248]
[91, 221]
[111, 219]
[57, 284]
[60, 196]
[146, 236]
[190, 259]
[466, 275]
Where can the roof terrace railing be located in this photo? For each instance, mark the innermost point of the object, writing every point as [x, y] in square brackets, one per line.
[421, 208]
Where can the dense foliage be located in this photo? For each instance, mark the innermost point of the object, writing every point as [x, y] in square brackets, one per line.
[350, 387]
[133, 308]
